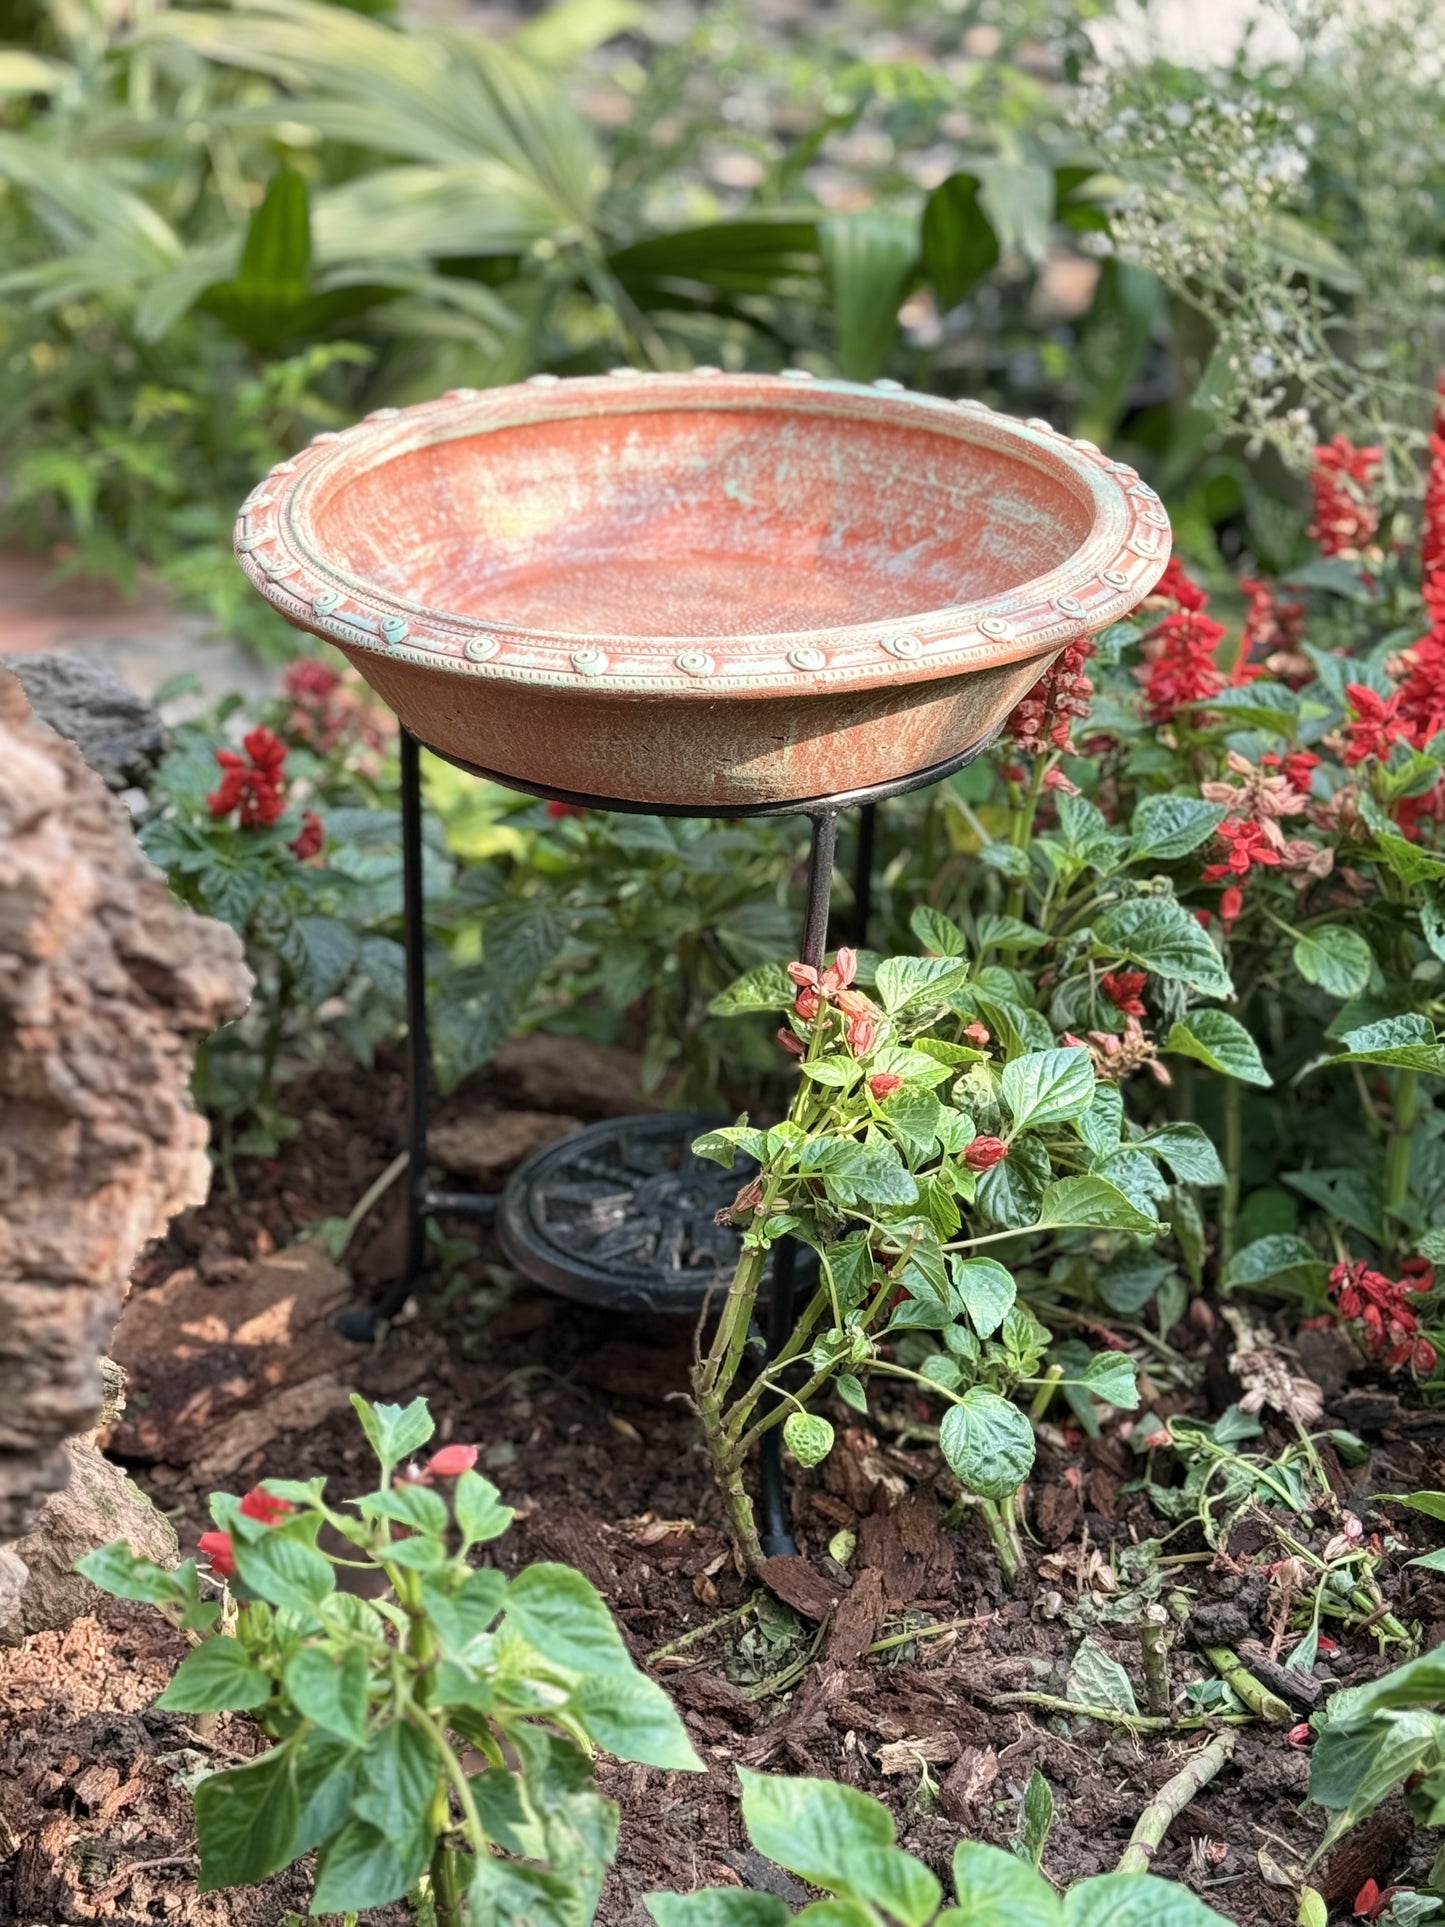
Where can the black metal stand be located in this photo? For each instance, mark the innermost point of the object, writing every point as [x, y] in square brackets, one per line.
[361, 1322]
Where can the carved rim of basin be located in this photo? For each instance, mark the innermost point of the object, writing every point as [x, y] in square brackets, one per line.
[701, 588]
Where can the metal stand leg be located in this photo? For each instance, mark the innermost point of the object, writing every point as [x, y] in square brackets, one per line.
[863, 874]
[772, 1493]
[360, 1321]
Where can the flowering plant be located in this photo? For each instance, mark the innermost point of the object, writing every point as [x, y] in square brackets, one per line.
[373, 1700]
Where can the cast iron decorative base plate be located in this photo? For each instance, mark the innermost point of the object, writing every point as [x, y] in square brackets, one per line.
[621, 1215]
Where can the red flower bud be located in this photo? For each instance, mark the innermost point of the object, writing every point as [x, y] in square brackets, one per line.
[792, 1043]
[557, 808]
[263, 1506]
[862, 1035]
[984, 1153]
[1299, 1735]
[219, 1550]
[1424, 1358]
[451, 1461]
[808, 1002]
[977, 1033]
[884, 1084]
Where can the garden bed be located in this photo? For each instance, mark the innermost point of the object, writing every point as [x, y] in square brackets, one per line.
[582, 1427]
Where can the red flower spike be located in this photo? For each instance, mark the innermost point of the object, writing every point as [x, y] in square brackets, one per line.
[311, 839]
[218, 1548]
[884, 1084]
[1122, 988]
[984, 1153]
[264, 1506]
[804, 974]
[1346, 518]
[451, 1461]
[1044, 720]
[1423, 1358]
[1231, 903]
[841, 972]
[253, 784]
[1248, 844]
[558, 809]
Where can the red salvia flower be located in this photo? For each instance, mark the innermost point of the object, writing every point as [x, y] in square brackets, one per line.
[984, 1153]
[1175, 586]
[253, 783]
[1179, 670]
[1248, 845]
[1231, 905]
[1044, 720]
[1374, 728]
[884, 1084]
[265, 1506]
[1122, 988]
[862, 1034]
[1346, 516]
[220, 1551]
[312, 838]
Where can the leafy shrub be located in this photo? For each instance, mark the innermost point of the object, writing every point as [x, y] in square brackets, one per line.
[842, 1841]
[366, 1696]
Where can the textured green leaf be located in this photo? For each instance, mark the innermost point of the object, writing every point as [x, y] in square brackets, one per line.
[246, 1821]
[1336, 958]
[363, 1867]
[1113, 1377]
[1281, 1260]
[937, 932]
[1091, 1203]
[983, 1289]
[126, 1575]
[1408, 1042]
[808, 1436]
[988, 1443]
[1188, 1151]
[480, 1512]
[1047, 1087]
[1136, 1900]
[564, 1616]
[997, 1889]
[808, 1825]
[394, 1431]
[217, 1676]
[330, 1692]
[285, 1571]
[1215, 1038]
[634, 1719]
[1160, 934]
[1166, 827]
[903, 981]
[1097, 1680]
[719, 1907]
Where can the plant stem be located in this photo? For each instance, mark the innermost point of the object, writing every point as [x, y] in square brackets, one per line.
[1154, 1651]
[1170, 1801]
[699, 1633]
[998, 1518]
[1237, 1676]
[727, 1468]
[1233, 1158]
[1044, 1396]
[1136, 1722]
[1397, 1146]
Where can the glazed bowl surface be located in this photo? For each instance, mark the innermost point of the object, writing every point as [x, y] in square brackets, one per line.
[701, 590]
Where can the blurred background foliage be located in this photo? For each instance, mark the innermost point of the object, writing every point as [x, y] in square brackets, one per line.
[224, 228]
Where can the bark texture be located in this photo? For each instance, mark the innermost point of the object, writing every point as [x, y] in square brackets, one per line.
[106, 981]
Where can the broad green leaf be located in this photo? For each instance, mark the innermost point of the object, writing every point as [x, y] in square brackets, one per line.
[1365, 1759]
[1160, 934]
[1408, 1042]
[1102, 1125]
[1131, 1278]
[332, 1693]
[479, 1510]
[1007, 933]
[1336, 958]
[997, 1889]
[1136, 1900]
[767, 986]
[364, 1867]
[719, 1907]
[959, 245]
[1420, 1682]
[808, 1436]
[1091, 1203]
[983, 1289]
[722, 1145]
[1215, 1038]
[564, 1616]
[399, 1769]
[415, 1506]
[808, 1825]
[1166, 827]
[1432, 1504]
[937, 932]
[891, 1880]
[868, 260]
[838, 1073]
[634, 1719]
[988, 1442]
[394, 1431]
[284, 1571]
[126, 1575]
[331, 951]
[217, 1676]
[1282, 1261]
[1047, 1087]
[246, 1821]
[1097, 1680]
[903, 981]
[914, 1115]
[326, 1771]
[1113, 1377]
[1188, 1151]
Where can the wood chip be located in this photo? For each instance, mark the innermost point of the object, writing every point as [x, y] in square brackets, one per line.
[800, 1585]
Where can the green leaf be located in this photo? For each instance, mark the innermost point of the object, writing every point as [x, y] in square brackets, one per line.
[719, 1907]
[126, 1575]
[1091, 1203]
[1408, 1042]
[1215, 1038]
[983, 1289]
[988, 1443]
[217, 1676]
[1097, 1680]
[1113, 1377]
[808, 1436]
[1280, 1261]
[480, 1512]
[1188, 1151]
[285, 1571]
[915, 980]
[1335, 958]
[1136, 1900]
[937, 932]
[997, 1889]
[891, 1880]
[959, 245]
[767, 986]
[326, 1772]
[1102, 1125]
[1166, 827]
[723, 1144]
[330, 952]
[838, 1073]
[564, 1617]
[808, 1825]
[332, 1693]
[1047, 1086]
[400, 1769]
[394, 1431]
[1036, 1817]
[1432, 1504]
[633, 1719]
[246, 1821]
[868, 261]
[364, 1867]
[1160, 934]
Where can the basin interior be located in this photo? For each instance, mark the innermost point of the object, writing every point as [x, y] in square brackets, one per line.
[707, 521]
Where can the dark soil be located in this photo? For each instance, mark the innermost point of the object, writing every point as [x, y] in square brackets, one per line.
[580, 1425]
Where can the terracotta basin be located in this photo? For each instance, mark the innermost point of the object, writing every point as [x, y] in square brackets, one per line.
[701, 589]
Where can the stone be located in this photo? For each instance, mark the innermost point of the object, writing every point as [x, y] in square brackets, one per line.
[117, 732]
[106, 983]
[485, 1147]
[572, 1075]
